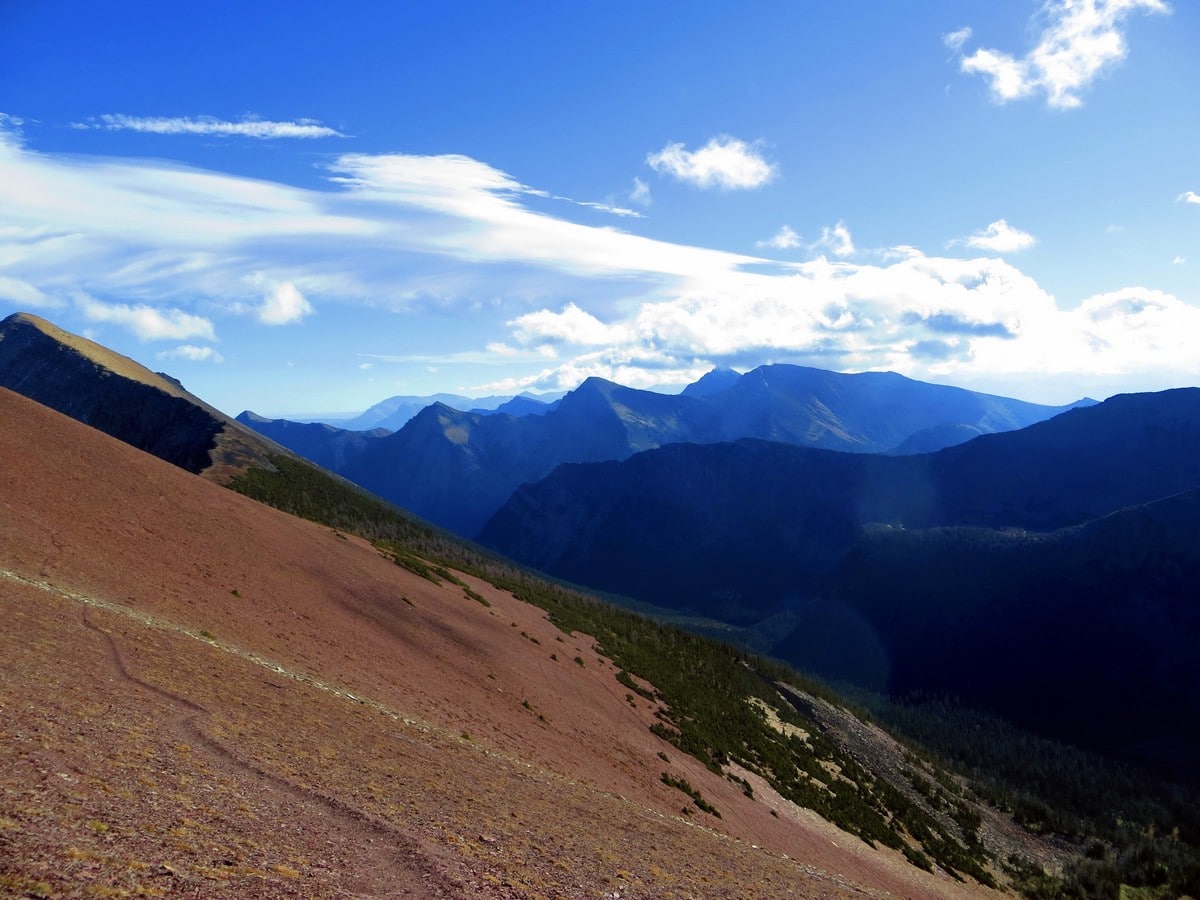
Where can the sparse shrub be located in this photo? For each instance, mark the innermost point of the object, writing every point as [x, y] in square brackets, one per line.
[682, 784]
[476, 596]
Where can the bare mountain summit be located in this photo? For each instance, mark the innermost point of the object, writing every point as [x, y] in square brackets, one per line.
[120, 397]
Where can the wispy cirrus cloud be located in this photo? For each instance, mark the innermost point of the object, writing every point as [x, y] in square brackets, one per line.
[210, 126]
[1080, 40]
[22, 293]
[724, 162]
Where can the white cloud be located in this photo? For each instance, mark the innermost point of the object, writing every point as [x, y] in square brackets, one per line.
[207, 125]
[192, 353]
[1178, 261]
[1081, 39]
[836, 240]
[22, 293]
[927, 317]
[955, 39]
[1000, 237]
[148, 323]
[723, 162]
[191, 246]
[640, 192]
[1188, 197]
[473, 212]
[396, 228]
[283, 305]
[783, 239]
[571, 326]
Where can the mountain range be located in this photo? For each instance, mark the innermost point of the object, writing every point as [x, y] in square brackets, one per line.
[204, 695]
[393, 413]
[1012, 571]
[471, 462]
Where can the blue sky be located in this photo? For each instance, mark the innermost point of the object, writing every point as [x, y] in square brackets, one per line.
[297, 211]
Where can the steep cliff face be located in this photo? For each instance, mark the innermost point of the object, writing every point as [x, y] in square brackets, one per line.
[122, 398]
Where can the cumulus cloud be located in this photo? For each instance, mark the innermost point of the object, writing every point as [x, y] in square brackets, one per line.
[1000, 237]
[148, 323]
[1188, 197]
[1080, 40]
[924, 316]
[207, 125]
[285, 304]
[836, 240]
[571, 326]
[192, 353]
[783, 239]
[724, 162]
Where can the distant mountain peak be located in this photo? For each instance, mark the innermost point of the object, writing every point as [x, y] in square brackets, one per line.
[714, 382]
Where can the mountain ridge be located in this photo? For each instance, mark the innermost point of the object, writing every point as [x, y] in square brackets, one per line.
[153, 411]
[751, 531]
[602, 420]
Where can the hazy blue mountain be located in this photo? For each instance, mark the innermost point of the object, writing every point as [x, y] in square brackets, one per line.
[394, 412]
[329, 447]
[438, 453]
[456, 468]
[870, 412]
[742, 529]
[522, 405]
[717, 381]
